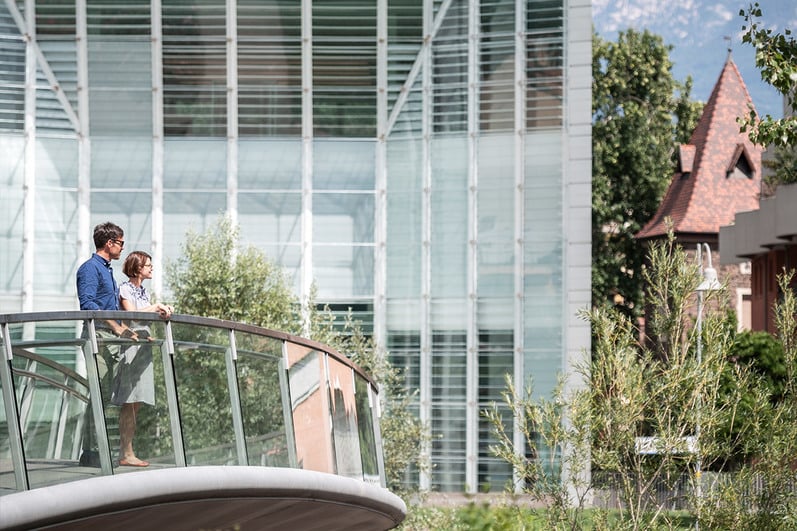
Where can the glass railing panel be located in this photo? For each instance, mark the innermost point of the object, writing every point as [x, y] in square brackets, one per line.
[52, 394]
[299, 406]
[344, 419]
[134, 397]
[203, 396]
[260, 388]
[365, 427]
[310, 408]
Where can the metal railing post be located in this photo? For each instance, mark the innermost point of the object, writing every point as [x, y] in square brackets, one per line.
[231, 358]
[167, 354]
[12, 416]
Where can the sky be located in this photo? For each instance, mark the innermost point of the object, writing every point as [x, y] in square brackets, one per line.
[701, 31]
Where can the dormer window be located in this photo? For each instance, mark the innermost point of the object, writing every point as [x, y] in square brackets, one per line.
[740, 166]
[686, 158]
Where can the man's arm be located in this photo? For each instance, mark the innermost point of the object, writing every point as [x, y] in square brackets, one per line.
[87, 283]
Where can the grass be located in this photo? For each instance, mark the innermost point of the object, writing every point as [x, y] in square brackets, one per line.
[507, 517]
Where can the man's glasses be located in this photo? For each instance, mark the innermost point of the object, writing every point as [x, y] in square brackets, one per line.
[120, 243]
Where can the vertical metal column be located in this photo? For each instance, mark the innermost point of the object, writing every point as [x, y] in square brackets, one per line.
[520, 197]
[426, 235]
[472, 331]
[156, 54]
[380, 200]
[85, 244]
[232, 111]
[29, 189]
[307, 161]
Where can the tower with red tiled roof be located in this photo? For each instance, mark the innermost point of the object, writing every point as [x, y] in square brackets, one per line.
[719, 170]
[718, 175]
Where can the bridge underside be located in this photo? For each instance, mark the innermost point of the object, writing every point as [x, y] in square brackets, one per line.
[206, 497]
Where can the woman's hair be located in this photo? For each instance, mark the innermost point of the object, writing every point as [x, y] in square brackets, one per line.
[134, 263]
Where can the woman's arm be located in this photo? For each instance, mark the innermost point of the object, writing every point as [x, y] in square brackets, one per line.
[163, 309]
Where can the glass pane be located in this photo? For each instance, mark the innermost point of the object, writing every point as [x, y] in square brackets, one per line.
[269, 165]
[193, 166]
[120, 81]
[12, 168]
[344, 419]
[269, 97]
[203, 395]
[344, 68]
[449, 363]
[544, 64]
[194, 72]
[259, 367]
[310, 409]
[343, 165]
[496, 58]
[138, 378]
[53, 400]
[271, 217]
[343, 271]
[365, 427]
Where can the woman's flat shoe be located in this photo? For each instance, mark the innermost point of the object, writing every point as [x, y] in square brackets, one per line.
[140, 464]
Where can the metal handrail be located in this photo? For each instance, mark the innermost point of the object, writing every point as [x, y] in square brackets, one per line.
[105, 315]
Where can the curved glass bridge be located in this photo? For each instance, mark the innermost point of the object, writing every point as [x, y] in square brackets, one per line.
[287, 427]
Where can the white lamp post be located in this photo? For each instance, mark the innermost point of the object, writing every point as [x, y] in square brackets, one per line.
[709, 283]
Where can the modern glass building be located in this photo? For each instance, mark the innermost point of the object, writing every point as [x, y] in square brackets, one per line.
[423, 162]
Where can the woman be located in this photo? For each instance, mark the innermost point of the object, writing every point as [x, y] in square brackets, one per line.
[134, 381]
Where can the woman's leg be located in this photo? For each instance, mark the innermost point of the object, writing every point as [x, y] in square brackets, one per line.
[127, 430]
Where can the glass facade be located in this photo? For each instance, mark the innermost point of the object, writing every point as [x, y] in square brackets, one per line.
[424, 162]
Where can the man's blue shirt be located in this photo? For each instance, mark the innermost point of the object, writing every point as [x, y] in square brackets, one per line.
[96, 287]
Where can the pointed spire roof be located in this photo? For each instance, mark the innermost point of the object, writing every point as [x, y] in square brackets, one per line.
[719, 171]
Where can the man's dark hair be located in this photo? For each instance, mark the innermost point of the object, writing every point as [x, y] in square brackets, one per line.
[104, 232]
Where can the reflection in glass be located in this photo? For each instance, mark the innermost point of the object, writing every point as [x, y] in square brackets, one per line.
[344, 420]
[365, 429]
[259, 364]
[310, 407]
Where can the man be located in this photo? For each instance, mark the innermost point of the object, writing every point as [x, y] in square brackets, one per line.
[97, 290]
[96, 286]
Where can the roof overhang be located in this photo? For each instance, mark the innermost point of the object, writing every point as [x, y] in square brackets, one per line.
[756, 232]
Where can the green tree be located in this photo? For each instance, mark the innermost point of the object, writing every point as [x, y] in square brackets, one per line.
[640, 113]
[776, 58]
[217, 277]
[645, 419]
[762, 493]
[784, 169]
[759, 356]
